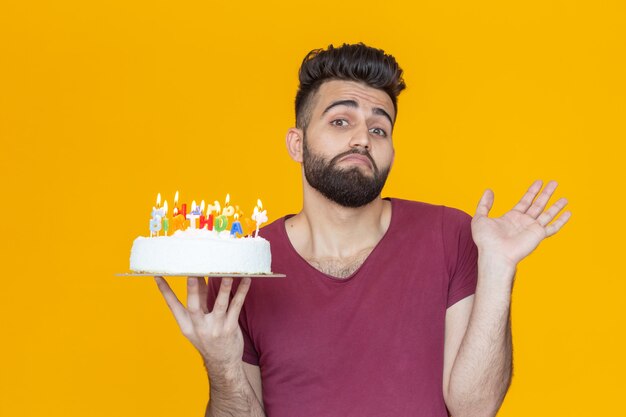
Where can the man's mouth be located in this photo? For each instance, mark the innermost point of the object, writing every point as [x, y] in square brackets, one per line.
[357, 158]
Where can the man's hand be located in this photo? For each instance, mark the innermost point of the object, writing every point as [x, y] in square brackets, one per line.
[215, 334]
[516, 234]
[482, 364]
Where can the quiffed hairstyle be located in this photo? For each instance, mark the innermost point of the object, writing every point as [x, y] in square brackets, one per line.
[357, 62]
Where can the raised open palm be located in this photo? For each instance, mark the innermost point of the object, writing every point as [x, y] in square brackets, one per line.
[518, 232]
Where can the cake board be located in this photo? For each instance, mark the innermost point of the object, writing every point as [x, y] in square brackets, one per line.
[195, 274]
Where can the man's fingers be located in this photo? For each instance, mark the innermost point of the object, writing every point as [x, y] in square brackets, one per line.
[203, 291]
[548, 215]
[237, 302]
[177, 308]
[223, 296]
[485, 203]
[542, 201]
[528, 198]
[558, 223]
[194, 303]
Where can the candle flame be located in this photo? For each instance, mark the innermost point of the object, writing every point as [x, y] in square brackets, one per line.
[227, 199]
[176, 199]
[175, 212]
[236, 216]
[202, 205]
[258, 201]
[193, 205]
[159, 200]
[217, 206]
[165, 206]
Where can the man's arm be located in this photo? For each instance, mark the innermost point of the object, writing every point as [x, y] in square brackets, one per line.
[240, 396]
[218, 338]
[478, 351]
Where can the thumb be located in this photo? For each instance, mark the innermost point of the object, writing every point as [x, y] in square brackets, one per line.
[485, 204]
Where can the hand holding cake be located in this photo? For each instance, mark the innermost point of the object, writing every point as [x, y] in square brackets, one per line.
[216, 333]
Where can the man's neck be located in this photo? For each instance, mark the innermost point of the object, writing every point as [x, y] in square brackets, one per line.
[324, 229]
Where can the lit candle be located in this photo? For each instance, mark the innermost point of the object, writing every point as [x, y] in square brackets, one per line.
[259, 216]
[236, 227]
[183, 207]
[194, 215]
[228, 210]
[248, 226]
[192, 219]
[221, 223]
[178, 220]
[155, 226]
[155, 222]
[166, 222]
[208, 220]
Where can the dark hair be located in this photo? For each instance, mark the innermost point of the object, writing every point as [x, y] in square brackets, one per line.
[357, 62]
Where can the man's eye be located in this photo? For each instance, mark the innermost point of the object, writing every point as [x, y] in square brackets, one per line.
[339, 122]
[378, 131]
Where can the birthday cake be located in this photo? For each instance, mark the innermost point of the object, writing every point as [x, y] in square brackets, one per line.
[201, 243]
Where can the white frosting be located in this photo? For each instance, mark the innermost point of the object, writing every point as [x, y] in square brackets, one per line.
[201, 251]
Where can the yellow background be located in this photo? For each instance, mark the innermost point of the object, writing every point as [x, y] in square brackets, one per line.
[104, 104]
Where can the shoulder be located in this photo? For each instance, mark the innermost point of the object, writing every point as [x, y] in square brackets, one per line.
[455, 217]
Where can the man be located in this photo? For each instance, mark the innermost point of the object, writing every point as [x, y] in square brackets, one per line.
[390, 307]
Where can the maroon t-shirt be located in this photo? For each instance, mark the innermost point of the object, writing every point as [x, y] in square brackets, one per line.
[370, 344]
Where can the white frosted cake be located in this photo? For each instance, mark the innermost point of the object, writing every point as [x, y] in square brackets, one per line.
[200, 251]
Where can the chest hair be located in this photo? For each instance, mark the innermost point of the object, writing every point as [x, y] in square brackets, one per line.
[340, 267]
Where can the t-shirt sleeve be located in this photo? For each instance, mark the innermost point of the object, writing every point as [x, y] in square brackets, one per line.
[460, 253]
[250, 354]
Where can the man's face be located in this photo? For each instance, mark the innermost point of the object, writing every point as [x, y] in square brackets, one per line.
[348, 151]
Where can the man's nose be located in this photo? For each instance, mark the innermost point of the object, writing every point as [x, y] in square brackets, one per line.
[360, 137]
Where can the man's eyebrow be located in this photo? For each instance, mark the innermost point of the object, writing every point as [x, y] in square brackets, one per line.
[381, 112]
[351, 103]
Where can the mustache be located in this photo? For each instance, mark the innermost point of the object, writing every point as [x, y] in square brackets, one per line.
[353, 151]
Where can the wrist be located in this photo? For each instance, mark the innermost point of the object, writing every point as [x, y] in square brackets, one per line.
[492, 258]
[495, 273]
[225, 373]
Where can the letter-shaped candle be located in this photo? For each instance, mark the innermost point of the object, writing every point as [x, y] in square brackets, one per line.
[206, 221]
[221, 223]
[236, 227]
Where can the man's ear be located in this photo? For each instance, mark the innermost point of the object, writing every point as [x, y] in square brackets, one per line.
[294, 140]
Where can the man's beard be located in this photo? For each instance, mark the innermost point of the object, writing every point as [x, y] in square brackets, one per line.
[347, 187]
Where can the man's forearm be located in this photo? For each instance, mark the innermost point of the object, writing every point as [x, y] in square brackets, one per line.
[232, 395]
[482, 370]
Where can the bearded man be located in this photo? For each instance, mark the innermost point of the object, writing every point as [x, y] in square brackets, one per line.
[390, 307]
